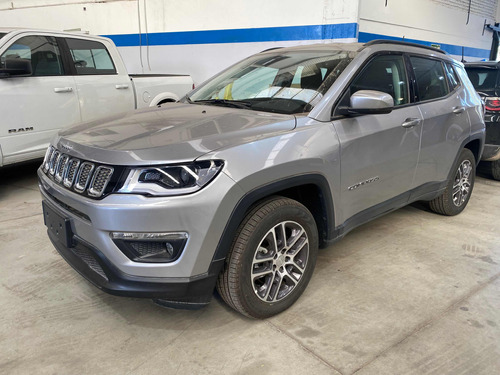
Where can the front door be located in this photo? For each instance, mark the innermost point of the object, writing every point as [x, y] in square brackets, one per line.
[379, 153]
[34, 108]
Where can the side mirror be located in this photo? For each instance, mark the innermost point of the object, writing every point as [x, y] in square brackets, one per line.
[368, 102]
[16, 67]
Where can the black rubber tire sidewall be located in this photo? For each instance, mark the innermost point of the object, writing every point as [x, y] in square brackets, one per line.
[444, 203]
[253, 306]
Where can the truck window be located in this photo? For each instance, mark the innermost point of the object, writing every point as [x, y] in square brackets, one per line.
[42, 51]
[90, 57]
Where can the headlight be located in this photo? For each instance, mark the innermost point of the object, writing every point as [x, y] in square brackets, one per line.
[172, 179]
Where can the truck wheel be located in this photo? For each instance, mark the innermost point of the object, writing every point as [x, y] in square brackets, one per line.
[495, 169]
[271, 260]
[459, 188]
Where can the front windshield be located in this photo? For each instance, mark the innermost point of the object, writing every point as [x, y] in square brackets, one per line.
[282, 82]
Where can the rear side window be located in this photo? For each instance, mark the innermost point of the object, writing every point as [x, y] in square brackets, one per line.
[453, 81]
[90, 57]
[41, 51]
[430, 76]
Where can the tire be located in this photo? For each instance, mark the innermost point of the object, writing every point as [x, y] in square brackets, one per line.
[495, 169]
[258, 247]
[459, 187]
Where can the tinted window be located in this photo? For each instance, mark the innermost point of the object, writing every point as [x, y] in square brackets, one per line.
[482, 78]
[386, 74]
[430, 78]
[41, 51]
[90, 57]
[452, 77]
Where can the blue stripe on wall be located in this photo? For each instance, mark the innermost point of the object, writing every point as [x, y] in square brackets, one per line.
[275, 34]
[264, 34]
[450, 48]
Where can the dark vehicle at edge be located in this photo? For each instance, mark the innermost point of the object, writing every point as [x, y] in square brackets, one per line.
[485, 77]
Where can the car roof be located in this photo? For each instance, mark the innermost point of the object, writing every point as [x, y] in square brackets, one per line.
[12, 31]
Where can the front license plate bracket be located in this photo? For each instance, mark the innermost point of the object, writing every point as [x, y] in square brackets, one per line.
[57, 225]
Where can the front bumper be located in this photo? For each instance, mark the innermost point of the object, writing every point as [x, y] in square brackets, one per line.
[96, 268]
[189, 280]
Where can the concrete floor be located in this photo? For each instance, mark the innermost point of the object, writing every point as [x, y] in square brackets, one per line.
[410, 293]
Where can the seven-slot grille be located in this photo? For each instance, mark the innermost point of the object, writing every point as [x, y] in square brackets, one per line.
[75, 174]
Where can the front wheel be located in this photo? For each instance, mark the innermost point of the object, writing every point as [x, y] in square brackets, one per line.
[459, 187]
[271, 260]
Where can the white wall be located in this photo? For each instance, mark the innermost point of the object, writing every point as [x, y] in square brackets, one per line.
[166, 16]
[442, 22]
[196, 36]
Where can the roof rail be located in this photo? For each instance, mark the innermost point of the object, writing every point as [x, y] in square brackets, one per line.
[402, 43]
[270, 49]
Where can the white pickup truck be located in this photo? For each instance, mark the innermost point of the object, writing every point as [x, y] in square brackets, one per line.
[50, 80]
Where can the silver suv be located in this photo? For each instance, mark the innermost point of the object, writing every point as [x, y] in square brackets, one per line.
[238, 185]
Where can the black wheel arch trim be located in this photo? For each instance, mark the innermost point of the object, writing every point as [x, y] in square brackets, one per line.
[473, 137]
[256, 195]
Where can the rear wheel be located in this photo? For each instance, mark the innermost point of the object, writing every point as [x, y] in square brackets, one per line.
[272, 259]
[459, 188]
[495, 169]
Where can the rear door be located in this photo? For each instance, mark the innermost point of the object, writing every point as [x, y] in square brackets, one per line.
[102, 89]
[34, 108]
[379, 152]
[444, 105]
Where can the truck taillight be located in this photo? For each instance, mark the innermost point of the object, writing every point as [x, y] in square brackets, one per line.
[493, 104]
[193, 86]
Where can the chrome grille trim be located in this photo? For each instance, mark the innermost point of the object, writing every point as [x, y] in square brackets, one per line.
[61, 167]
[70, 174]
[83, 176]
[102, 176]
[53, 162]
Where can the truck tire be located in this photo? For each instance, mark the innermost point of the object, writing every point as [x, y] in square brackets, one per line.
[495, 169]
[271, 260]
[459, 187]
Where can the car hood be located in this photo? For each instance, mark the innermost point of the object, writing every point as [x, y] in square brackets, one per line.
[173, 133]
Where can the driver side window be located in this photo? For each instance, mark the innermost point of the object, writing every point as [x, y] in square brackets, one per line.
[41, 51]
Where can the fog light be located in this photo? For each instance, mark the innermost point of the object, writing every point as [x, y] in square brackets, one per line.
[151, 247]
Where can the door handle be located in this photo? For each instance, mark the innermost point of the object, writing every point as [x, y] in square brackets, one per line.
[458, 110]
[411, 122]
[63, 89]
[121, 87]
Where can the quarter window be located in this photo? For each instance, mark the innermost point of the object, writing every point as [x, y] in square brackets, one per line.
[452, 77]
[430, 78]
[41, 51]
[90, 57]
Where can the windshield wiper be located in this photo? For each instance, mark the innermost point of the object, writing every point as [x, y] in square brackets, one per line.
[226, 103]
